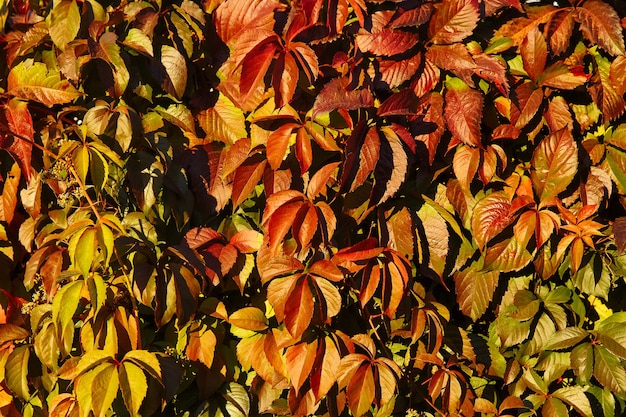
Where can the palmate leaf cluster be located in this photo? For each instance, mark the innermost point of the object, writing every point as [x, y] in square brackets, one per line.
[312, 207]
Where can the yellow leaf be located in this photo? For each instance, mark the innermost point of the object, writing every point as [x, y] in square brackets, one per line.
[134, 386]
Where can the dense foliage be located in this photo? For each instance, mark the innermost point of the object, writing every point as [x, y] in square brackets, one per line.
[330, 207]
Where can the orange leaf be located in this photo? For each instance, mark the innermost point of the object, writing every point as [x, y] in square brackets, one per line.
[361, 391]
[299, 308]
[534, 52]
[249, 318]
[600, 24]
[300, 359]
[326, 368]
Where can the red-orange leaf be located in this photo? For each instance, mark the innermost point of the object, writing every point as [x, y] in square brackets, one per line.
[326, 368]
[277, 144]
[453, 21]
[434, 120]
[299, 308]
[463, 111]
[247, 176]
[337, 94]
[284, 78]
[559, 75]
[394, 73]
[465, 164]
[492, 6]
[491, 216]
[255, 65]
[385, 42]
[19, 138]
[559, 31]
[300, 359]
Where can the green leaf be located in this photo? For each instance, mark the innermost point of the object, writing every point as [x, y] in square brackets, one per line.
[104, 388]
[16, 373]
[223, 122]
[46, 346]
[582, 361]
[34, 81]
[555, 163]
[133, 385]
[63, 22]
[605, 398]
[175, 70]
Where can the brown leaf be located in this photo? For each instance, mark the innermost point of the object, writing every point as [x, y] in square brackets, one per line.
[600, 24]
[492, 6]
[619, 232]
[559, 29]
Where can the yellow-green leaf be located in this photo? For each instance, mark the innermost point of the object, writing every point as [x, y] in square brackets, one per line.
[64, 305]
[34, 81]
[104, 387]
[63, 22]
[223, 122]
[16, 373]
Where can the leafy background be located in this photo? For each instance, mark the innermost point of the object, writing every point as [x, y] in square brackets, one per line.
[324, 207]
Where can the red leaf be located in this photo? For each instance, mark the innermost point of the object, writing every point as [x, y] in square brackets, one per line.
[402, 103]
[304, 151]
[433, 103]
[453, 21]
[427, 80]
[199, 237]
[530, 99]
[491, 69]
[284, 79]
[412, 17]
[561, 76]
[394, 73]
[362, 152]
[326, 368]
[491, 216]
[385, 42]
[337, 95]
[391, 168]
[463, 111]
[20, 127]
[255, 65]
[451, 57]
[601, 25]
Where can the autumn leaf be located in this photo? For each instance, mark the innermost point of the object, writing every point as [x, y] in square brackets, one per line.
[34, 81]
[453, 21]
[463, 111]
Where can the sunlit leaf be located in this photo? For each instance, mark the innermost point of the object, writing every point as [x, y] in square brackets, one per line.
[34, 81]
